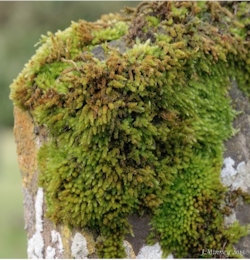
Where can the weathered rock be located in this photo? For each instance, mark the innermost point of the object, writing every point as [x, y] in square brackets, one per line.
[58, 240]
[238, 148]
[29, 139]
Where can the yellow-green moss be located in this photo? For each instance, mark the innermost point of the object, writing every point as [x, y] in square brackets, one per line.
[141, 129]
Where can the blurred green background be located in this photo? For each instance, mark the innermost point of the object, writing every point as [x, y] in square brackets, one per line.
[21, 25]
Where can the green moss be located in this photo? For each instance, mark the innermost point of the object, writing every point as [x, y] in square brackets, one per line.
[140, 130]
[113, 32]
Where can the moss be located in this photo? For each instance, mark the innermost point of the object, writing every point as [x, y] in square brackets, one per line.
[141, 130]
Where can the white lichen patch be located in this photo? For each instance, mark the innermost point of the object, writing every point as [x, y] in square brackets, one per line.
[56, 238]
[151, 252]
[39, 210]
[36, 243]
[50, 252]
[57, 244]
[229, 220]
[79, 247]
[236, 177]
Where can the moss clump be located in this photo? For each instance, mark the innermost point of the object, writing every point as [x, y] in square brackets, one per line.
[143, 128]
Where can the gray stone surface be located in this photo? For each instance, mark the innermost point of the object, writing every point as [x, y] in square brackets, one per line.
[238, 148]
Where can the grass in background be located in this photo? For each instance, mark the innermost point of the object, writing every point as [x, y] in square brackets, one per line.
[13, 241]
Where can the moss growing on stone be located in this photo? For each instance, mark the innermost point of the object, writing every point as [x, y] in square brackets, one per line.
[142, 127]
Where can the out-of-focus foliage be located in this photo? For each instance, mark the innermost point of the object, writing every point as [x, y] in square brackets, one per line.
[12, 234]
[22, 23]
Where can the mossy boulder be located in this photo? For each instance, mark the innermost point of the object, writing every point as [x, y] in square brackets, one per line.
[136, 109]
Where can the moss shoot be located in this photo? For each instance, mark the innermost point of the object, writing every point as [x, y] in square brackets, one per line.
[140, 128]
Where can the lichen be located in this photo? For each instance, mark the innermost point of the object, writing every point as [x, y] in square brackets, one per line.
[36, 242]
[50, 252]
[151, 252]
[235, 178]
[79, 248]
[143, 129]
[57, 244]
